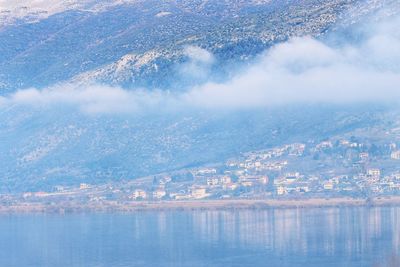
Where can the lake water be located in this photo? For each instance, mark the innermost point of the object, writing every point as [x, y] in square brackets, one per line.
[292, 237]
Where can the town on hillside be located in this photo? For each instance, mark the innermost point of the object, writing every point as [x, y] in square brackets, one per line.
[345, 166]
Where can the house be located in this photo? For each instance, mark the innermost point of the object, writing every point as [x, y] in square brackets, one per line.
[344, 142]
[159, 194]
[252, 180]
[328, 185]
[179, 196]
[337, 179]
[347, 189]
[27, 194]
[363, 156]
[207, 171]
[59, 188]
[240, 172]
[303, 188]
[266, 155]
[41, 194]
[199, 192]
[230, 186]
[395, 186]
[293, 174]
[281, 190]
[395, 155]
[84, 186]
[139, 194]
[247, 183]
[264, 180]
[374, 172]
[324, 145]
[291, 177]
[355, 144]
[249, 165]
[165, 180]
[213, 181]
[279, 181]
[226, 180]
[300, 187]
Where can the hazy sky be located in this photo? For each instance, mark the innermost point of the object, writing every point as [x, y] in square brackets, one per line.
[36, 4]
[20, 8]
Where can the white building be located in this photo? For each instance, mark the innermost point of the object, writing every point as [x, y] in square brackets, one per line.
[206, 171]
[364, 155]
[374, 172]
[139, 194]
[84, 186]
[395, 155]
[281, 190]
[159, 194]
[213, 181]
[226, 180]
[230, 186]
[251, 180]
[199, 192]
[328, 185]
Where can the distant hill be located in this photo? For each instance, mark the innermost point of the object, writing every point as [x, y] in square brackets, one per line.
[150, 44]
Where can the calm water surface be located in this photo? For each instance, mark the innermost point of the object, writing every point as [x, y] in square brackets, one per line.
[295, 237]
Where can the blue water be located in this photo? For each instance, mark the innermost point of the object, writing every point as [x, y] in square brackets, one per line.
[294, 237]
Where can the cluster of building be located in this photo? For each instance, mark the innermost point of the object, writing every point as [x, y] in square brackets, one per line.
[280, 172]
[329, 168]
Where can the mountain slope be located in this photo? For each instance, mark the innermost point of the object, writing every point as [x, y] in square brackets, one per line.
[107, 42]
[63, 136]
[42, 148]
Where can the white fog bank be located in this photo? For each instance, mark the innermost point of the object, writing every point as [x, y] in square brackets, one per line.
[302, 70]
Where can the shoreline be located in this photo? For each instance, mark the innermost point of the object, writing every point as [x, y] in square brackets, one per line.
[193, 205]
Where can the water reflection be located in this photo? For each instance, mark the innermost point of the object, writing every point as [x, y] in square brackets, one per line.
[347, 231]
[287, 237]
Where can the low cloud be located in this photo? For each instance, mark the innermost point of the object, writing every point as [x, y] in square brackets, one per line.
[305, 70]
[89, 99]
[199, 55]
[302, 70]
[198, 64]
